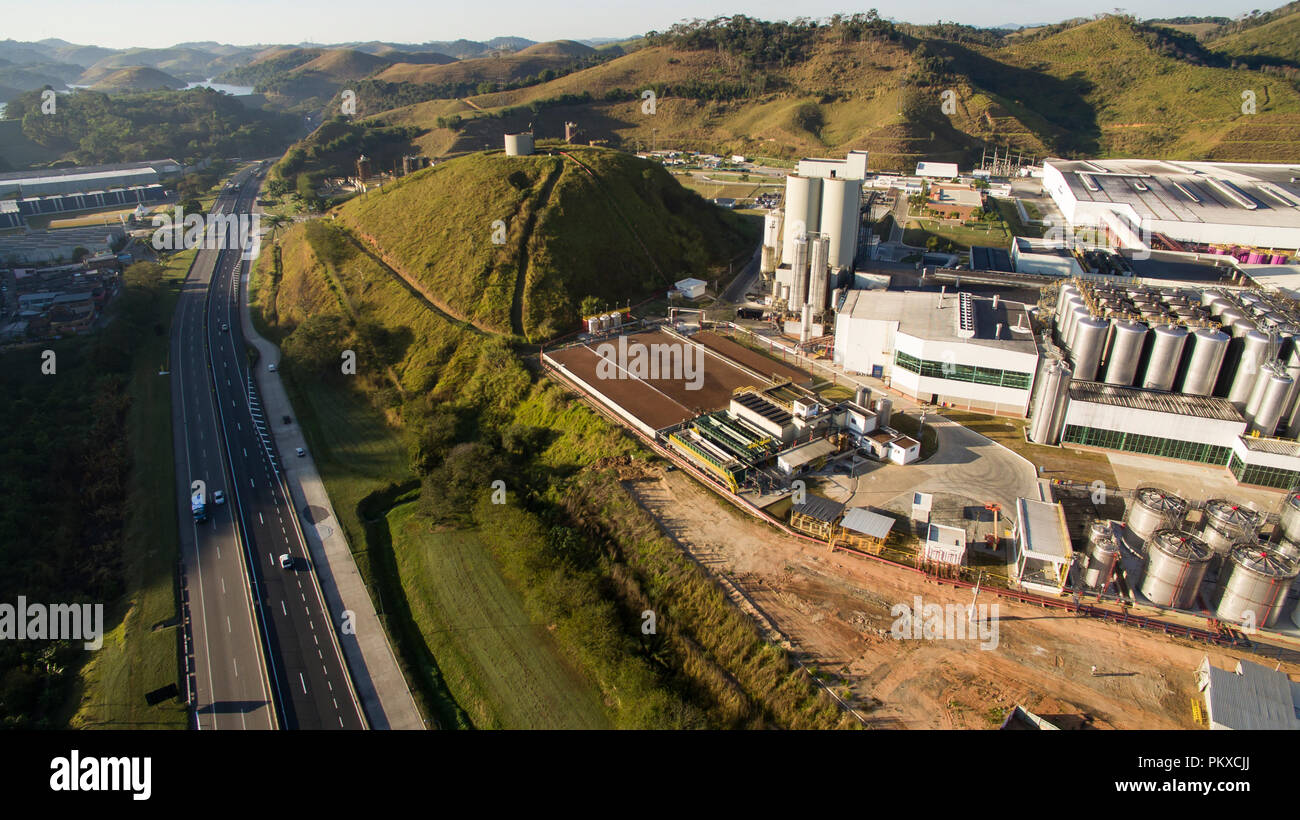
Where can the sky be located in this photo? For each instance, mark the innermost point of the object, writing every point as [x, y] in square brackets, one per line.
[124, 23]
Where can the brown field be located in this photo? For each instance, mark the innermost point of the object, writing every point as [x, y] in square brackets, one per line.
[660, 402]
[752, 358]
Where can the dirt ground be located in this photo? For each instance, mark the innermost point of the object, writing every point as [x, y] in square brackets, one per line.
[833, 612]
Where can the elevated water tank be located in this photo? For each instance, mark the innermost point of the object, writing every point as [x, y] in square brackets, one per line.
[1085, 351]
[1166, 352]
[802, 208]
[1124, 352]
[1154, 509]
[1204, 362]
[1176, 564]
[1257, 586]
[840, 218]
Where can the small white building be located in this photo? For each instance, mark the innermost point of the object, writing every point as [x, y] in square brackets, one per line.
[945, 545]
[804, 456]
[904, 450]
[691, 288]
[1043, 551]
[937, 170]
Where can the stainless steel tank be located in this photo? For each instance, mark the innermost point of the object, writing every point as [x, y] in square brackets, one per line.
[1288, 549]
[1050, 397]
[1078, 313]
[1253, 354]
[1276, 387]
[1176, 564]
[1124, 352]
[1291, 516]
[1167, 343]
[1256, 590]
[1085, 350]
[1103, 555]
[1154, 509]
[1205, 361]
[1227, 524]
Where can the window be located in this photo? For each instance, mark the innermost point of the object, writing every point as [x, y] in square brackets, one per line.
[1146, 445]
[1263, 476]
[963, 372]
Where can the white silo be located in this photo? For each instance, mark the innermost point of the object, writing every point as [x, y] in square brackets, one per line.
[772, 228]
[819, 247]
[840, 218]
[519, 145]
[799, 275]
[1125, 349]
[1167, 343]
[802, 208]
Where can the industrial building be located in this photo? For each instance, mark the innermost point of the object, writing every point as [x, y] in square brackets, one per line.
[1043, 551]
[82, 180]
[1226, 203]
[937, 170]
[853, 166]
[955, 350]
[1046, 257]
[1251, 696]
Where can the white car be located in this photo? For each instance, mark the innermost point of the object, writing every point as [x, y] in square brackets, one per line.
[218, 497]
[271, 367]
[301, 452]
[286, 561]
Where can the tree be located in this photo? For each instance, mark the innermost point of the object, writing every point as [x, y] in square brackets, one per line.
[591, 305]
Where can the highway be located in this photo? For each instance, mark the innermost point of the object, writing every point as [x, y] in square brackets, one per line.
[304, 670]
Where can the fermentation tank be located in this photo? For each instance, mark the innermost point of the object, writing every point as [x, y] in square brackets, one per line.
[1257, 586]
[1077, 311]
[1050, 397]
[802, 208]
[1291, 516]
[1167, 343]
[1228, 524]
[1288, 549]
[1253, 353]
[1176, 564]
[1205, 360]
[1154, 509]
[1124, 352]
[1085, 352]
[1274, 390]
[1103, 555]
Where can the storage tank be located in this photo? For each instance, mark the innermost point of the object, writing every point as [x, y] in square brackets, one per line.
[1154, 509]
[1206, 358]
[1176, 564]
[799, 271]
[840, 218]
[1124, 352]
[1166, 352]
[802, 207]
[772, 222]
[1050, 396]
[1276, 387]
[1065, 292]
[1288, 549]
[1074, 308]
[1103, 555]
[884, 409]
[1085, 352]
[1291, 517]
[519, 145]
[1253, 353]
[1228, 524]
[1257, 586]
[819, 246]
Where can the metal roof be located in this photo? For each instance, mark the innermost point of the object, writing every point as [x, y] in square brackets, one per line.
[1276, 446]
[823, 509]
[1042, 528]
[1252, 697]
[871, 524]
[1155, 401]
[809, 451]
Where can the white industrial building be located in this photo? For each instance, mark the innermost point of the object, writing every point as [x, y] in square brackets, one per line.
[954, 350]
[89, 178]
[853, 166]
[1228, 203]
[937, 170]
[1249, 697]
[944, 545]
[1043, 551]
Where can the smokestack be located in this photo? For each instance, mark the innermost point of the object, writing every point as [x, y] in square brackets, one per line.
[995, 301]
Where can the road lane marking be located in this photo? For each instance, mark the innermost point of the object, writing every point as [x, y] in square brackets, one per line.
[304, 683]
[282, 609]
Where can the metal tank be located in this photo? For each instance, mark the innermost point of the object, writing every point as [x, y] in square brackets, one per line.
[1103, 555]
[1291, 516]
[1288, 549]
[802, 208]
[1075, 309]
[1257, 586]
[818, 273]
[1253, 353]
[1204, 362]
[1167, 343]
[840, 218]
[1154, 509]
[1085, 352]
[799, 273]
[1227, 524]
[1065, 292]
[1124, 352]
[1050, 396]
[772, 222]
[1176, 564]
[1276, 387]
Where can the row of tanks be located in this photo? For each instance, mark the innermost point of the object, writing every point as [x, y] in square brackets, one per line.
[604, 322]
[1243, 346]
[1253, 577]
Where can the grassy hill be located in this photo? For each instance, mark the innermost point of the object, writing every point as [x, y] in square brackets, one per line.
[593, 223]
[138, 78]
[190, 64]
[1278, 39]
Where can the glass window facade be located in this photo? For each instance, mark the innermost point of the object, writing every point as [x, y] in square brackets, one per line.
[1146, 445]
[964, 372]
[1263, 476]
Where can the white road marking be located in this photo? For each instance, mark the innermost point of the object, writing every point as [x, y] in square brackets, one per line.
[228, 629]
[260, 520]
[304, 683]
[282, 609]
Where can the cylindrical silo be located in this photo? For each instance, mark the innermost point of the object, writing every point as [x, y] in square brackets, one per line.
[840, 218]
[1085, 351]
[1253, 353]
[1074, 308]
[799, 270]
[1154, 509]
[1166, 351]
[772, 222]
[1103, 555]
[1204, 362]
[802, 208]
[1176, 564]
[1050, 396]
[1257, 587]
[1291, 517]
[519, 145]
[818, 273]
[1276, 386]
[1227, 524]
[1124, 352]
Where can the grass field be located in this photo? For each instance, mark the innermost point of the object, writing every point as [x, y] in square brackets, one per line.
[140, 653]
[503, 670]
[918, 231]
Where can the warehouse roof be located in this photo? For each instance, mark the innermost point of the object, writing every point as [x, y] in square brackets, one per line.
[930, 315]
[872, 525]
[805, 453]
[1042, 529]
[1252, 697]
[1155, 401]
[1276, 446]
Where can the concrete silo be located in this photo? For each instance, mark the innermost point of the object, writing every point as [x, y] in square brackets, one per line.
[802, 209]
[840, 218]
[1167, 343]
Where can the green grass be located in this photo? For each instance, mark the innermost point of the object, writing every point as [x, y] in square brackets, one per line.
[503, 670]
[918, 231]
[137, 657]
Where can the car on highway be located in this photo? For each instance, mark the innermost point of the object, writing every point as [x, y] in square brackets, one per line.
[301, 452]
[271, 368]
[286, 561]
[218, 497]
[225, 328]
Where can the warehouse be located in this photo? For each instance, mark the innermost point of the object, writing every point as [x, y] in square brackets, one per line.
[954, 350]
[1255, 204]
[81, 180]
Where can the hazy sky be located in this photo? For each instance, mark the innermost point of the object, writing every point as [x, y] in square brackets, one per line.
[121, 23]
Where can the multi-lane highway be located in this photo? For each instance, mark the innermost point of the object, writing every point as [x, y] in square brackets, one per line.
[263, 650]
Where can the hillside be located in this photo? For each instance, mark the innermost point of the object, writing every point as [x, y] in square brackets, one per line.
[189, 64]
[595, 223]
[1277, 40]
[501, 68]
[138, 78]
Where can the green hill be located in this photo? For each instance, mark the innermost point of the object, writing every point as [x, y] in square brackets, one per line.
[1276, 40]
[138, 78]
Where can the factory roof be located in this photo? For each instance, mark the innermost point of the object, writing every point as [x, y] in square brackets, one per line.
[823, 509]
[1155, 401]
[1251, 697]
[938, 170]
[1225, 193]
[1042, 529]
[984, 258]
[1276, 446]
[928, 315]
[807, 452]
[868, 523]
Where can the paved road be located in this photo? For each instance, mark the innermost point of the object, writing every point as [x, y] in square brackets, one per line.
[308, 676]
